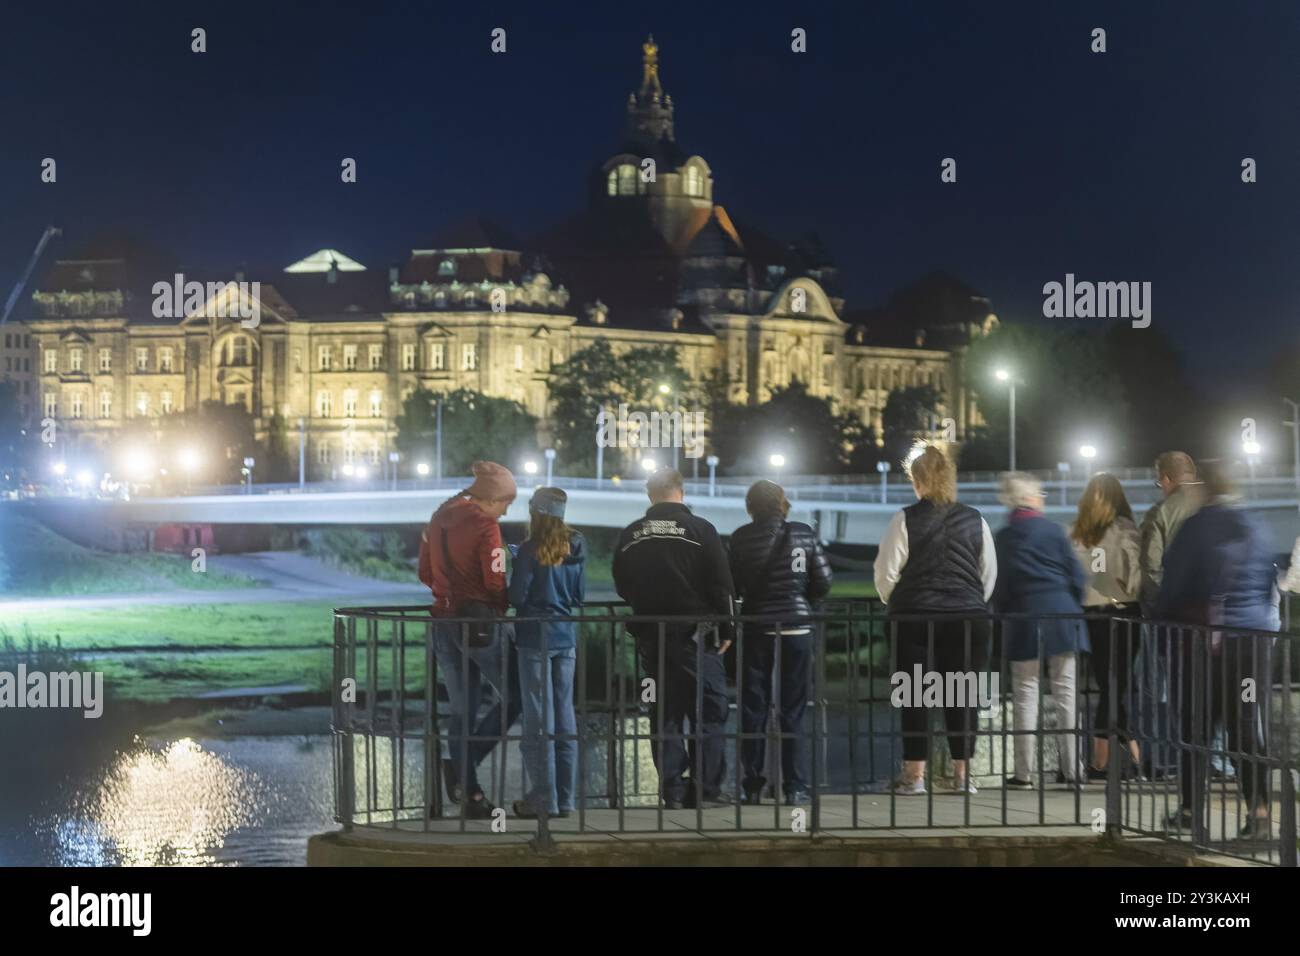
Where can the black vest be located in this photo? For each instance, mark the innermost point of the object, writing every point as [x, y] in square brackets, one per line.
[942, 573]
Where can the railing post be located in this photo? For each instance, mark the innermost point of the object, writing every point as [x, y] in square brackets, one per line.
[346, 783]
[1113, 825]
[1287, 856]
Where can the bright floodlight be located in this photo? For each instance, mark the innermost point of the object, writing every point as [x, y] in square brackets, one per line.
[1251, 447]
[59, 468]
[421, 469]
[1002, 375]
[648, 465]
[189, 459]
[665, 389]
[85, 478]
[1088, 451]
[530, 467]
[349, 470]
[777, 461]
[139, 463]
[361, 471]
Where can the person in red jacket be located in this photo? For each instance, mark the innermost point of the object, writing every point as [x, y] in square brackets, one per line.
[462, 560]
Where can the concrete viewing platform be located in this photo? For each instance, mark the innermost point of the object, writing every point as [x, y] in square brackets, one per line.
[938, 831]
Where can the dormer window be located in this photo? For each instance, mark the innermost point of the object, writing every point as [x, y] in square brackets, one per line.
[694, 181]
[447, 267]
[623, 180]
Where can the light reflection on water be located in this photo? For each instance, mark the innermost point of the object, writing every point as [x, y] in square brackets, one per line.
[250, 800]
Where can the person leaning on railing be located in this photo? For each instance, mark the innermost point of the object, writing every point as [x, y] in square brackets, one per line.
[1219, 572]
[780, 571]
[463, 562]
[937, 558]
[548, 581]
[1107, 545]
[1039, 575]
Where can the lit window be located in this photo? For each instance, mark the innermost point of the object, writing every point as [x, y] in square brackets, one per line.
[77, 409]
[241, 350]
[350, 403]
[142, 360]
[627, 180]
[612, 183]
[51, 360]
[376, 357]
[323, 453]
[349, 455]
[469, 356]
[694, 181]
[324, 404]
[51, 404]
[408, 358]
[165, 360]
[74, 360]
[165, 401]
[349, 357]
[105, 404]
[142, 403]
[437, 357]
[323, 360]
[374, 454]
[376, 404]
[106, 360]
[447, 267]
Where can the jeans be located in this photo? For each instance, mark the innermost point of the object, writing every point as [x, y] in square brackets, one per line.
[792, 660]
[1024, 684]
[550, 727]
[687, 669]
[465, 672]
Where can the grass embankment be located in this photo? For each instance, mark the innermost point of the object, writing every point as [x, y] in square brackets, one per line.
[36, 562]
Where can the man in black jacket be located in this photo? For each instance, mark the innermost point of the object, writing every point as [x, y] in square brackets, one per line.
[671, 563]
[780, 570]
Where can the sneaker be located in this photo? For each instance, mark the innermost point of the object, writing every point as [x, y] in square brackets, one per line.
[478, 808]
[1097, 774]
[526, 811]
[795, 798]
[674, 805]
[1179, 820]
[908, 788]
[1016, 783]
[964, 785]
[1256, 828]
[752, 798]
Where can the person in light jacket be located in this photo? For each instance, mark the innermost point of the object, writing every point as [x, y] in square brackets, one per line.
[1040, 577]
[548, 582]
[1105, 541]
[937, 561]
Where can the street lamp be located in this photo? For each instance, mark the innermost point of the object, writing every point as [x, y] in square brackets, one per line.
[1294, 424]
[349, 470]
[883, 468]
[85, 478]
[1252, 450]
[530, 467]
[1087, 453]
[666, 389]
[59, 468]
[776, 461]
[361, 472]
[550, 464]
[248, 472]
[393, 459]
[422, 469]
[1064, 468]
[649, 465]
[712, 462]
[1004, 375]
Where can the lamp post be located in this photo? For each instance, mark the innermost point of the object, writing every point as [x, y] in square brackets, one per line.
[600, 447]
[1252, 450]
[712, 462]
[437, 415]
[530, 468]
[248, 474]
[393, 459]
[302, 453]
[666, 389]
[1003, 375]
[1087, 453]
[777, 461]
[883, 468]
[550, 464]
[422, 469]
[189, 463]
[1064, 468]
[1295, 445]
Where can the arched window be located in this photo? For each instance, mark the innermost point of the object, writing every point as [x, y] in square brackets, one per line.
[694, 181]
[240, 350]
[627, 180]
[611, 184]
[447, 267]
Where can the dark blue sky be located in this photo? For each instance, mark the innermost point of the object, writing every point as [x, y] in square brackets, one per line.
[1119, 166]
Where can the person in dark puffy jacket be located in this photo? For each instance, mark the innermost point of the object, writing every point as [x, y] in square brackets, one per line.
[935, 572]
[547, 581]
[779, 569]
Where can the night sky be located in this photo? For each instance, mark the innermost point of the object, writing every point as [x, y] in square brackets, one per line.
[1117, 166]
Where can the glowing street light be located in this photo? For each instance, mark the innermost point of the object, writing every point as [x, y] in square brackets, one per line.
[712, 462]
[776, 460]
[422, 469]
[139, 464]
[361, 472]
[85, 478]
[59, 468]
[649, 465]
[189, 459]
[349, 470]
[530, 467]
[1252, 450]
[1005, 375]
[1252, 447]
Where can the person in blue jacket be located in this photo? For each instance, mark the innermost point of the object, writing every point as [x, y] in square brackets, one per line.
[1220, 571]
[548, 582]
[1039, 575]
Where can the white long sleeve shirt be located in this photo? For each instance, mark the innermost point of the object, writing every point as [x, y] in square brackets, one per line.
[893, 556]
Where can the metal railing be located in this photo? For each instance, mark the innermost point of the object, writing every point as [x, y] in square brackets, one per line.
[402, 763]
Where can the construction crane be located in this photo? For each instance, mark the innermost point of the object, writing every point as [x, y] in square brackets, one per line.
[50, 233]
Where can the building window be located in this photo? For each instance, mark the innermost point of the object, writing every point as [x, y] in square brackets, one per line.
[240, 350]
[324, 361]
[408, 358]
[74, 360]
[437, 357]
[323, 453]
[469, 356]
[51, 360]
[142, 403]
[51, 404]
[447, 267]
[376, 404]
[374, 454]
[165, 360]
[376, 353]
[350, 403]
[142, 360]
[349, 357]
[297, 360]
[77, 409]
[519, 358]
[349, 454]
[694, 181]
[165, 400]
[324, 404]
[106, 360]
[105, 404]
[627, 180]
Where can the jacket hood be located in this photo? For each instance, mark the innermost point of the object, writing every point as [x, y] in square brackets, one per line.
[460, 513]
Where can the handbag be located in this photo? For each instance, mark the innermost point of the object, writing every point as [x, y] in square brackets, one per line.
[482, 630]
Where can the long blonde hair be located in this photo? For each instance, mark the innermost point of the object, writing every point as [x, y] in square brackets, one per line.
[935, 477]
[1100, 504]
[552, 538]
